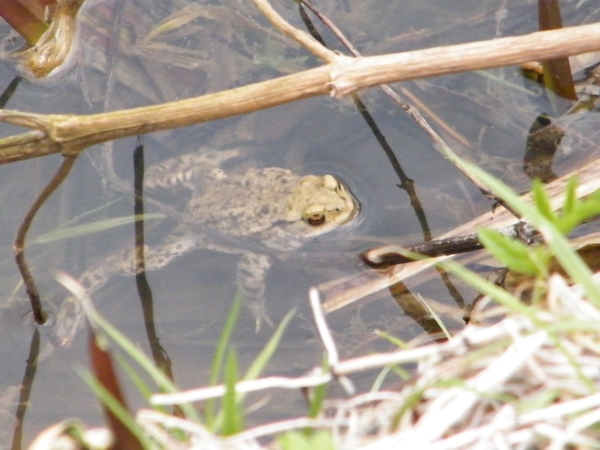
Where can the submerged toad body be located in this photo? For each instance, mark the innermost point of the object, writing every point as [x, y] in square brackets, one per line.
[271, 209]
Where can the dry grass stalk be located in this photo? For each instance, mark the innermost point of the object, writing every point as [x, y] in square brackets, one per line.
[523, 382]
[516, 384]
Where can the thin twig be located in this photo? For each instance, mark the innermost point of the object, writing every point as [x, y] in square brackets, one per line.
[34, 297]
[394, 254]
[435, 118]
[160, 356]
[333, 357]
[138, 208]
[329, 24]
[297, 35]
[9, 91]
[326, 338]
[244, 386]
[25, 390]
[406, 183]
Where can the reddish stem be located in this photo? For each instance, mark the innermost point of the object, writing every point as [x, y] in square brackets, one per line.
[26, 17]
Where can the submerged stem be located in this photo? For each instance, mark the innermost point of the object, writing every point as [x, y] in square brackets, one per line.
[34, 297]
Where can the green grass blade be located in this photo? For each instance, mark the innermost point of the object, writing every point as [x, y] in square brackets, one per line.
[487, 288]
[570, 197]
[225, 338]
[319, 393]
[116, 408]
[232, 318]
[376, 386]
[233, 415]
[267, 352]
[577, 270]
[257, 365]
[391, 339]
[293, 440]
[581, 211]
[92, 228]
[436, 317]
[541, 201]
[138, 356]
[514, 254]
[138, 382]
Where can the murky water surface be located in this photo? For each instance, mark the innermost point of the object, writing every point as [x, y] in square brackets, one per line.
[229, 45]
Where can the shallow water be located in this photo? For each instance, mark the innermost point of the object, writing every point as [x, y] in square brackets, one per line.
[192, 297]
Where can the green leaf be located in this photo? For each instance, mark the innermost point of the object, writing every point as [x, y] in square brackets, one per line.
[570, 197]
[165, 384]
[392, 339]
[293, 440]
[257, 365]
[92, 228]
[541, 200]
[318, 396]
[512, 253]
[267, 352]
[233, 421]
[579, 212]
[116, 408]
[232, 317]
[559, 245]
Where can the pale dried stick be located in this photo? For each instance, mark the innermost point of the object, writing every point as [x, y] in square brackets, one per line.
[70, 134]
[327, 339]
[303, 38]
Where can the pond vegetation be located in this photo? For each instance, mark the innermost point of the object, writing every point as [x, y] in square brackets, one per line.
[498, 346]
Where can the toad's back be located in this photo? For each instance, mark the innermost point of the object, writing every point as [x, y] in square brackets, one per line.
[273, 206]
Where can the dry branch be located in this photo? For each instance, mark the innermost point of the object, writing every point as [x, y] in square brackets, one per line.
[542, 45]
[69, 134]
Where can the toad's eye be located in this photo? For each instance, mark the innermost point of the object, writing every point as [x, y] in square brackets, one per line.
[316, 219]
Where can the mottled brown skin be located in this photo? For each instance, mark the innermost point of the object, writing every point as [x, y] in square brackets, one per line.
[271, 207]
